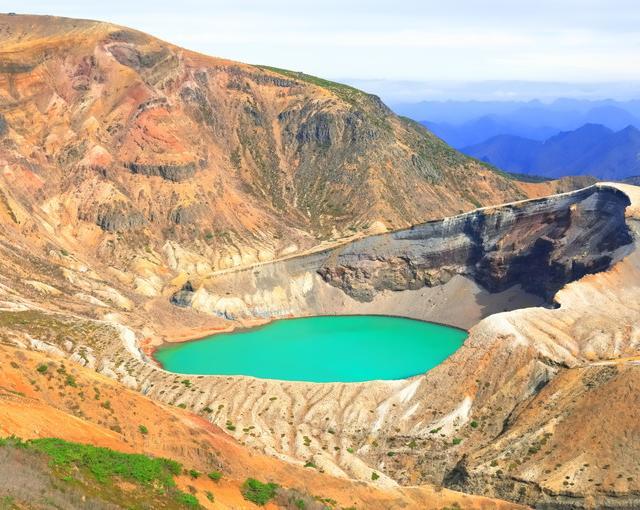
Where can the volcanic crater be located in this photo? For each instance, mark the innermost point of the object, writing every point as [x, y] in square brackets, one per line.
[151, 195]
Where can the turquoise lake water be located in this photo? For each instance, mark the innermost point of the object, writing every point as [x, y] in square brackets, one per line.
[319, 349]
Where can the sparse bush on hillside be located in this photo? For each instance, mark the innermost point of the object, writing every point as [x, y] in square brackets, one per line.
[189, 500]
[93, 474]
[215, 476]
[235, 158]
[258, 492]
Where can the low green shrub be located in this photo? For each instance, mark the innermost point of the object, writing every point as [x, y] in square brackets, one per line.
[189, 500]
[258, 492]
[104, 463]
[216, 476]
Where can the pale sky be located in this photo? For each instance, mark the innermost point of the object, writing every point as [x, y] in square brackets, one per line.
[575, 41]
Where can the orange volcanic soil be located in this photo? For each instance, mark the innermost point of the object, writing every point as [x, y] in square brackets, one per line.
[101, 412]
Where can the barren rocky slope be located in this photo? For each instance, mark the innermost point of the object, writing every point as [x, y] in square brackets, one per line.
[76, 404]
[132, 148]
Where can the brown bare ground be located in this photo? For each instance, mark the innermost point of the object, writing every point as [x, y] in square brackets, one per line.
[36, 405]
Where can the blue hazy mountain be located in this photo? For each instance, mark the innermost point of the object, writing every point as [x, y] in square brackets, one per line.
[464, 123]
[459, 112]
[592, 149]
[486, 127]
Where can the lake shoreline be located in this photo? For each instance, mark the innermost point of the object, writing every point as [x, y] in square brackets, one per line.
[149, 348]
[344, 333]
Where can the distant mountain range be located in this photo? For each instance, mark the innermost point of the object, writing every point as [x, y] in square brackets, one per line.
[483, 128]
[464, 123]
[592, 149]
[549, 139]
[459, 112]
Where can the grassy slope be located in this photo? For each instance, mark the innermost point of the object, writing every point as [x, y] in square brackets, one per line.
[79, 470]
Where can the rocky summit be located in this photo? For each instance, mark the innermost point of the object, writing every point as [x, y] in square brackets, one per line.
[150, 194]
[118, 134]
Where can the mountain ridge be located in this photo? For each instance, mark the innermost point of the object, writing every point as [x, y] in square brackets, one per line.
[466, 123]
[234, 163]
[592, 149]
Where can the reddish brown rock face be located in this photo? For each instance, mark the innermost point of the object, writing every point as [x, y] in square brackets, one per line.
[119, 130]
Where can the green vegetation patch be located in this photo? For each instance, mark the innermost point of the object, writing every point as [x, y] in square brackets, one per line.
[94, 471]
[188, 500]
[216, 476]
[345, 92]
[258, 492]
[104, 463]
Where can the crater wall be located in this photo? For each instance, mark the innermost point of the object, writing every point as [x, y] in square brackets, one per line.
[489, 260]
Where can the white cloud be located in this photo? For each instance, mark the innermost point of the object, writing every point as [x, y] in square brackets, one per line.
[571, 40]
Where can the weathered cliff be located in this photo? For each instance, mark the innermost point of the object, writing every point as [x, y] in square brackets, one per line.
[538, 245]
